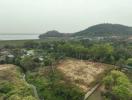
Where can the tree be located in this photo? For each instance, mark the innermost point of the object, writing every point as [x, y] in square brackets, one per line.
[108, 82]
[31, 44]
[118, 85]
[102, 52]
[5, 87]
[121, 63]
[28, 63]
[121, 92]
[129, 61]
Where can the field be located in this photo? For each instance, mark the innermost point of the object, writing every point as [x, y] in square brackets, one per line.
[83, 74]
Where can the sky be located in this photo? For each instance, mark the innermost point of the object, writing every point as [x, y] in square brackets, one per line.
[39, 16]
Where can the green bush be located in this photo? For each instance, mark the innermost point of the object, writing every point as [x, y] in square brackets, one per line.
[5, 87]
[119, 86]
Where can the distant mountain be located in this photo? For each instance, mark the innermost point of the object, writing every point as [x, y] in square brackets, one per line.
[53, 33]
[96, 30]
[105, 30]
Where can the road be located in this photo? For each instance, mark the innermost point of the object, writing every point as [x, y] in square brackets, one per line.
[91, 91]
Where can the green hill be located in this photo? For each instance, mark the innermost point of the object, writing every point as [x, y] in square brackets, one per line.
[105, 30]
[96, 30]
[53, 33]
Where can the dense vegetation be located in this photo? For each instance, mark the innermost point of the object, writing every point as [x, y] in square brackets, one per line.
[12, 85]
[38, 59]
[111, 52]
[118, 86]
[52, 86]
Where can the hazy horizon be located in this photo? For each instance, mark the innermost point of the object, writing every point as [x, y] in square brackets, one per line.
[39, 16]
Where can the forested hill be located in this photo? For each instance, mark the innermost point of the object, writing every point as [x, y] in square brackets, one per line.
[96, 30]
[105, 30]
[53, 33]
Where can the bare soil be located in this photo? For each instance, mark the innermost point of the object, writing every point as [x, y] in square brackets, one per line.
[5, 66]
[82, 73]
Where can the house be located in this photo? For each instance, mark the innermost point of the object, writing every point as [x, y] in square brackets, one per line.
[2, 59]
[30, 52]
[10, 58]
[41, 58]
[127, 68]
[6, 57]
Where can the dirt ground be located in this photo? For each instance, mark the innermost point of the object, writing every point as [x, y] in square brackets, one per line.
[5, 66]
[82, 73]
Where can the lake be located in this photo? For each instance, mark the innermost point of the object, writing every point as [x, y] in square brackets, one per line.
[18, 36]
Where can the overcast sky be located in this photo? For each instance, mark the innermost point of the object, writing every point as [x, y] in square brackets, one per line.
[38, 16]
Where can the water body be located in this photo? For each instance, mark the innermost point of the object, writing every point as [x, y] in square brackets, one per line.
[18, 36]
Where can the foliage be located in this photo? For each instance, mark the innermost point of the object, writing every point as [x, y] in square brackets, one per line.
[51, 86]
[29, 63]
[5, 87]
[30, 44]
[118, 85]
[102, 52]
[12, 87]
[53, 33]
[129, 61]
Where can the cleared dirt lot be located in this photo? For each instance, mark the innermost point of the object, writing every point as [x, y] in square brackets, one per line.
[4, 67]
[83, 73]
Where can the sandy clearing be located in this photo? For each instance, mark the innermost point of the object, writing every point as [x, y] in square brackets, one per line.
[5, 66]
[81, 73]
